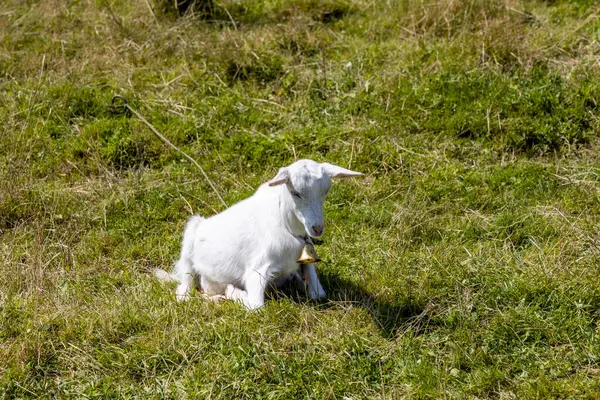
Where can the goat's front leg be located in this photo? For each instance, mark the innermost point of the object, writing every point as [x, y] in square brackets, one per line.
[313, 286]
[233, 293]
[256, 284]
[254, 295]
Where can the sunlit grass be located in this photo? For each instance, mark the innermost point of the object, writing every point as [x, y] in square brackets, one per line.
[464, 264]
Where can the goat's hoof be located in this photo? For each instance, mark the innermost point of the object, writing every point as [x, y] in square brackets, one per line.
[316, 294]
[254, 307]
[229, 292]
[214, 297]
[182, 297]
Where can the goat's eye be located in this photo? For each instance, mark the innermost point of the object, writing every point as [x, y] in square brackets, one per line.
[296, 194]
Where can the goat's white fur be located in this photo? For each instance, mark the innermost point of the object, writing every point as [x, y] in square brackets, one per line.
[237, 252]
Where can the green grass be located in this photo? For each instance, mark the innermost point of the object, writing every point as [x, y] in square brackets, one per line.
[464, 265]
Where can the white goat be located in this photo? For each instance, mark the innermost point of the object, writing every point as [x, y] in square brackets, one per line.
[238, 252]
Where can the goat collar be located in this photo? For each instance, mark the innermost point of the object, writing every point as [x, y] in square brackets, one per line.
[309, 240]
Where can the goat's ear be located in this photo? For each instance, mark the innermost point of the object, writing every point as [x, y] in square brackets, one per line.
[338, 172]
[283, 176]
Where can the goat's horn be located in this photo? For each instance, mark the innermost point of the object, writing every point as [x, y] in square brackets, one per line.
[309, 255]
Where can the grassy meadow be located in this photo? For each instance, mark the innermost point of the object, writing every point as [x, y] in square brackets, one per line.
[464, 265]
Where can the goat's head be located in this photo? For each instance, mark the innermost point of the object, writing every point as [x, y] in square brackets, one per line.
[307, 185]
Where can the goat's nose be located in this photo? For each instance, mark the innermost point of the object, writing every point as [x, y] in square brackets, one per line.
[318, 229]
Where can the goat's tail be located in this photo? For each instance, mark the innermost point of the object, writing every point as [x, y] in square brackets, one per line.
[184, 264]
[163, 275]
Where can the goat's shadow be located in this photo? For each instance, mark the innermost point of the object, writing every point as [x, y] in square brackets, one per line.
[392, 319]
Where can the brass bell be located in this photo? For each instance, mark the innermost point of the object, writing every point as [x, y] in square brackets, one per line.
[309, 255]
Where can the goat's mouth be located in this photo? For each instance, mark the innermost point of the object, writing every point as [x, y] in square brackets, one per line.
[312, 229]
[314, 237]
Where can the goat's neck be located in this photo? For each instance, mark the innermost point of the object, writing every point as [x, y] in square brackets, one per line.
[291, 223]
